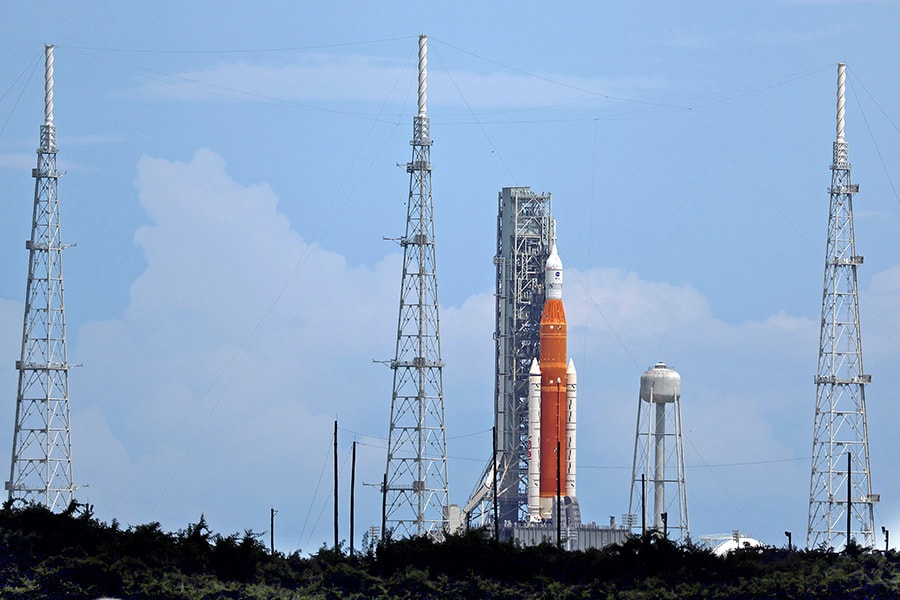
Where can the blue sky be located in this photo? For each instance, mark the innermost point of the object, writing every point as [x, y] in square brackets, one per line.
[231, 173]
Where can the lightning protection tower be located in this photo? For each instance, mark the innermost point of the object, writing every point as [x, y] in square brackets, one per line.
[415, 488]
[841, 503]
[41, 468]
[525, 233]
[658, 464]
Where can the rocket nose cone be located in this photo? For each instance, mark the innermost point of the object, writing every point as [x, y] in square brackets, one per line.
[553, 274]
[554, 262]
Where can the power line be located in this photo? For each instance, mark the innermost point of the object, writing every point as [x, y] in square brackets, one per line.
[238, 51]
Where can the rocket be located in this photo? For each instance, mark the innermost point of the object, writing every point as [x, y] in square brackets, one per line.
[552, 397]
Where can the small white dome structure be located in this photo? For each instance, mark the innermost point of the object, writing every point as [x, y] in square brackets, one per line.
[736, 542]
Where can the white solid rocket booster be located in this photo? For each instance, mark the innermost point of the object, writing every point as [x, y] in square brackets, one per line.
[571, 398]
[534, 442]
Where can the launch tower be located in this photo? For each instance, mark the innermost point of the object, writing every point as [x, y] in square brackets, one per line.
[841, 503]
[658, 464]
[415, 488]
[525, 232]
[41, 466]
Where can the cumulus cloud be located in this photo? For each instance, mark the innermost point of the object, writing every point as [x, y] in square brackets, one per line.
[748, 397]
[240, 345]
[216, 389]
[739, 406]
[619, 300]
[10, 347]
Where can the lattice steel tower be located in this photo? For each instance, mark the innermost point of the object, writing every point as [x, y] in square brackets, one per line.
[41, 468]
[525, 233]
[416, 490]
[841, 502]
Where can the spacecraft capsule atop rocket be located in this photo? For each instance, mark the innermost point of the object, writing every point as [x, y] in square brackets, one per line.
[553, 275]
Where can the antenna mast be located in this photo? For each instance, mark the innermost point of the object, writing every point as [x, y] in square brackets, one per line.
[41, 466]
[841, 502]
[416, 490]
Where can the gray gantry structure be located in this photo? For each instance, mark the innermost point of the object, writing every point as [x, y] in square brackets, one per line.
[41, 466]
[416, 486]
[525, 233]
[841, 502]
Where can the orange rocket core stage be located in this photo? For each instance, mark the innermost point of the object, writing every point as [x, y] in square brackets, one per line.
[554, 405]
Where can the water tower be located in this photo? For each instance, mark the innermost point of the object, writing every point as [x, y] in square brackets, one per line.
[658, 467]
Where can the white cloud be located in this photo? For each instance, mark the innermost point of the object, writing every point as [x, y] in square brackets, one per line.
[467, 337]
[324, 78]
[216, 390]
[618, 300]
[241, 343]
[743, 402]
[10, 348]
[887, 283]
[748, 395]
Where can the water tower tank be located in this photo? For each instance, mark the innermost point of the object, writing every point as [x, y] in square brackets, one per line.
[660, 383]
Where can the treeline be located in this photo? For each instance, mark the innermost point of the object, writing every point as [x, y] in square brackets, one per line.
[74, 555]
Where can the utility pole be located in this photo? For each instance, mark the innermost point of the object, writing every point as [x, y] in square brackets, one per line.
[335, 486]
[494, 484]
[272, 513]
[643, 504]
[384, 530]
[352, 494]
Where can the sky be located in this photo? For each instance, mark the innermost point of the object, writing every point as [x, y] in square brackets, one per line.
[231, 174]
